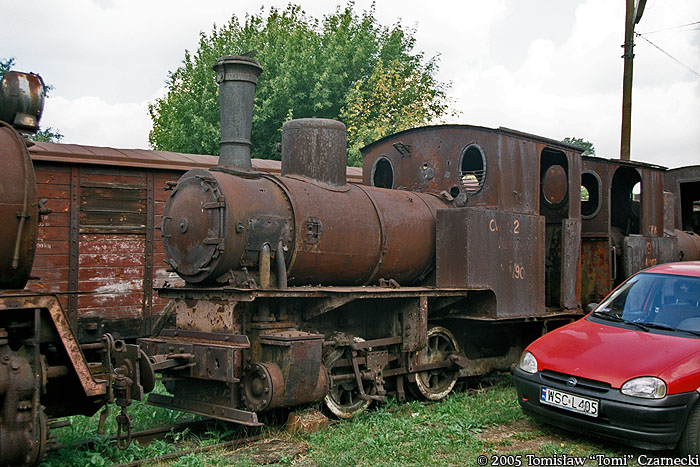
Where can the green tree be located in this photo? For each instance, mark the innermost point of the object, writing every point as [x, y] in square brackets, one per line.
[587, 146]
[47, 135]
[6, 65]
[345, 66]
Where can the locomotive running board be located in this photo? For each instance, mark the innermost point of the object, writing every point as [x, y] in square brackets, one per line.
[227, 414]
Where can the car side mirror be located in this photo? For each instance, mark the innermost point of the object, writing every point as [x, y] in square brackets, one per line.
[590, 307]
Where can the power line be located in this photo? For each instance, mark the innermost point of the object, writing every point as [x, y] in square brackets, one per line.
[669, 29]
[669, 55]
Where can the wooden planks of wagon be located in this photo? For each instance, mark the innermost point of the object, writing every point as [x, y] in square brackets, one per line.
[100, 248]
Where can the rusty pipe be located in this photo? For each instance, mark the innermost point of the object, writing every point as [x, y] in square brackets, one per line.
[281, 267]
[237, 77]
[56, 371]
[264, 266]
[22, 219]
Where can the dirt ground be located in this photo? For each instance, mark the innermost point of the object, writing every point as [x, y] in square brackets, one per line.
[522, 435]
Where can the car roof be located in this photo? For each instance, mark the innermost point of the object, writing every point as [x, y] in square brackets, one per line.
[688, 268]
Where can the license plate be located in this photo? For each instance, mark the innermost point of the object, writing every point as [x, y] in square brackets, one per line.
[567, 401]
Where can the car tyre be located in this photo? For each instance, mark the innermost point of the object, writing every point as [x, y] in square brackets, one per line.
[689, 443]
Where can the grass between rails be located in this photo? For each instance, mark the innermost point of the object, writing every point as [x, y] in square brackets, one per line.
[472, 421]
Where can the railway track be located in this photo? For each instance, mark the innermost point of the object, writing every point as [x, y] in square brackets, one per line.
[236, 443]
[144, 437]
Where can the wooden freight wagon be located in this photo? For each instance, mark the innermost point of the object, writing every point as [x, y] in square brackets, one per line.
[100, 247]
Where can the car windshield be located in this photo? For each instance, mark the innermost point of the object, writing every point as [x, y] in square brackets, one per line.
[655, 301]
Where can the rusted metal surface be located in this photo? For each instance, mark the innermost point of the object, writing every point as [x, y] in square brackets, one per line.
[630, 220]
[643, 252]
[653, 203]
[237, 77]
[494, 250]
[524, 174]
[22, 100]
[684, 183]
[393, 234]
[208, 356]
[74, 245]
[414, 324]
[571, 265]
[688, 246]
[433, 163]
[598, 222]
[215, 222]
[669, 212]
[90, 385]
[18, 210]
[289, 373]
[207, 409]
[314, 148]
[22, 436]
[596, 280]
[308, 292]
[213, 315]
[148, 271]
[24, 374]
[555, 184]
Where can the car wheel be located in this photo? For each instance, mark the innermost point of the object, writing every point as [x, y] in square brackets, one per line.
[689, 443]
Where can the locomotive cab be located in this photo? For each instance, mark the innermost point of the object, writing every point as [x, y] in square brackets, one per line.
[515, 221]
[622, 207]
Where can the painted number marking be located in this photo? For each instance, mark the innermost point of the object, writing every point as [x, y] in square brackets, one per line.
[516, 271]
[493, 226]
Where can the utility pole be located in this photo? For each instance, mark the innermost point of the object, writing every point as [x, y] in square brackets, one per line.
[633, 14]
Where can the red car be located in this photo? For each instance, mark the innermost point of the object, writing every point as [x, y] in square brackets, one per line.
[630, 370]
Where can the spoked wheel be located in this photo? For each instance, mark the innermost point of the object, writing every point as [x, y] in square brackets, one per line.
[343, 398]
[437, 383]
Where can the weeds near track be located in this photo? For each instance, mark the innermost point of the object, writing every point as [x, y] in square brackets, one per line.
[480, 418]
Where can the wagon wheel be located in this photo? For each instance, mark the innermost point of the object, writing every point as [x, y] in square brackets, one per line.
[437, 383]
[343, 398]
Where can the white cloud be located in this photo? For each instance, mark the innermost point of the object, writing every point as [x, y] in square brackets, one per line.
[547, 68]
[574, 89]
[90, 120]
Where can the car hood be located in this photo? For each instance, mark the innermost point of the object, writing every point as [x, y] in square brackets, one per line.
[612, 354]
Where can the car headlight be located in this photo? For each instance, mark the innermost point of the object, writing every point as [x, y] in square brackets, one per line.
[528, 362]
[646, 386]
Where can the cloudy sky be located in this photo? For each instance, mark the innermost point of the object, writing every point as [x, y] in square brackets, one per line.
[548, 67]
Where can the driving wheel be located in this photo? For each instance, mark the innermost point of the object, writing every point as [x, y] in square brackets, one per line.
[437, 383]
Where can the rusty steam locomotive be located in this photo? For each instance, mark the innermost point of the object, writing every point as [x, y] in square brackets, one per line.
[461, 246]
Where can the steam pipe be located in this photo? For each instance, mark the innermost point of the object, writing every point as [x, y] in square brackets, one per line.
[281, 267]
[237, 77]
[264, 266]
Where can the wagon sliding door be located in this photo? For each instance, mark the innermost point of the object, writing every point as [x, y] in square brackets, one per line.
[115, 249]
[98, 241]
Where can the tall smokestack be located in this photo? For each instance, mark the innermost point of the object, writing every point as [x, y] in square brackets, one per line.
[237, 77]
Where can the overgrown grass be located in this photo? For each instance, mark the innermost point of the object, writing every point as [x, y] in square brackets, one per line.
[451, 432]
[106, 452]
